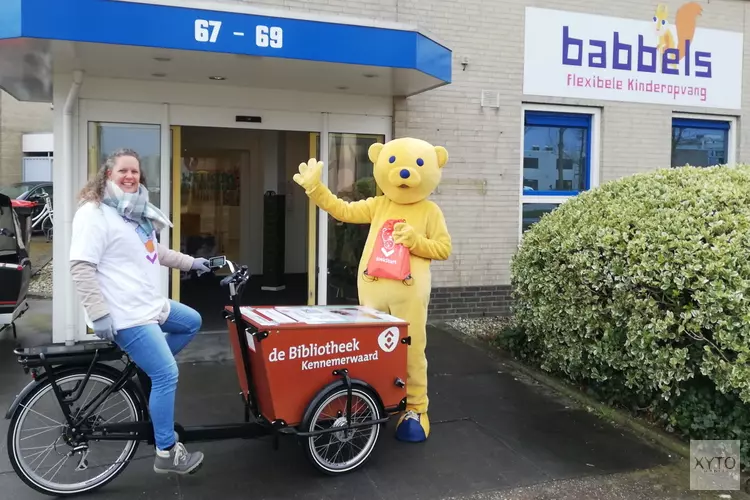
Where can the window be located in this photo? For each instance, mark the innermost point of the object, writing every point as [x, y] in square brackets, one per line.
[700, 143]
[532, 212]
[556, 153]
[557, 160]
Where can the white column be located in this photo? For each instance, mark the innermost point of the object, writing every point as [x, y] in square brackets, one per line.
[323, 220]
[65, 99]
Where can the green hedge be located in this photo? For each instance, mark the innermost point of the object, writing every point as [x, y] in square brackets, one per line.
[640, 291]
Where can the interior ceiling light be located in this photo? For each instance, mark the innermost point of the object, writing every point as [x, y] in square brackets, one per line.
[370, 75]
[162, 59]
[342, 87]
[159, 75]
[217, 78]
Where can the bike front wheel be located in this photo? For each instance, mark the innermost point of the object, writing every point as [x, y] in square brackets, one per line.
[346, 450]
[46, 227]
[40, 448]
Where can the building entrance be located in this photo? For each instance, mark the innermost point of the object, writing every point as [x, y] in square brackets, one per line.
[230, 192]
[237, 198]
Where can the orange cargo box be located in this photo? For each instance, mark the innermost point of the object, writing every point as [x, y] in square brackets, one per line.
[299, 348]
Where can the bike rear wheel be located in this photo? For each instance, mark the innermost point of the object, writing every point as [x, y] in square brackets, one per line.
[39, 417]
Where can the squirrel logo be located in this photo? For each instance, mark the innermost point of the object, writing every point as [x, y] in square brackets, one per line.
[685, 22]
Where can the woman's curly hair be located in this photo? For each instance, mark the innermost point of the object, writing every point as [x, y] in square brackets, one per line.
[94, 189]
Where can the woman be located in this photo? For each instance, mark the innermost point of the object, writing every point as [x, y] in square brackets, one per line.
[115, 263]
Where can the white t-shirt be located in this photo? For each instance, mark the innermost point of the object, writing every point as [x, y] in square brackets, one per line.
[127, 261]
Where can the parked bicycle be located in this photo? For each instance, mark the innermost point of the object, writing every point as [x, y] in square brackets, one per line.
[43, 220]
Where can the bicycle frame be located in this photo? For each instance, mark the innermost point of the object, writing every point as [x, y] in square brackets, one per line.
[76, 422]
[45, 213]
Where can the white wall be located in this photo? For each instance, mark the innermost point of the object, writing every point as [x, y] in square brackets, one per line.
[38, 143]
[227, 101]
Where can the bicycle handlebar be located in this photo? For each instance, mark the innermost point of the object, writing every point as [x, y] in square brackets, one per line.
[238, 276]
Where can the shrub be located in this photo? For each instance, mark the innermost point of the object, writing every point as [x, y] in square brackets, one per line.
[640, 289]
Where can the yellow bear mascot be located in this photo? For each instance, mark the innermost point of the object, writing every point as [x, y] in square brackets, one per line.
[407, 171]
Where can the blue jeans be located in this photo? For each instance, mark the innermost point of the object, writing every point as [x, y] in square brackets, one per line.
[152, 347]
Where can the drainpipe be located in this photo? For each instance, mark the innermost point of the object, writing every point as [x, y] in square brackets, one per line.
[68, 197]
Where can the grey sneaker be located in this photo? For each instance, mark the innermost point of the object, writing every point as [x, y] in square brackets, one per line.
[179, 461]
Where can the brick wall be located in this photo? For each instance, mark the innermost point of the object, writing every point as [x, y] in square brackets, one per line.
[484, 144]
[381, 10]
[469, 301]
[480, 191]
[18, 118]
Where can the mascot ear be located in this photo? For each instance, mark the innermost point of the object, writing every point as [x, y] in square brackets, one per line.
[442, 156]
[374, 152]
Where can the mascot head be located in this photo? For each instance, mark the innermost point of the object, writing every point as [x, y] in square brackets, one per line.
[407, 170]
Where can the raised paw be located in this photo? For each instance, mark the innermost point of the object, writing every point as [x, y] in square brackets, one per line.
[413, 427]
[310, 174]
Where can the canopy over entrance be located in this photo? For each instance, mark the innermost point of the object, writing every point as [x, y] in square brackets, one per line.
[132, 39]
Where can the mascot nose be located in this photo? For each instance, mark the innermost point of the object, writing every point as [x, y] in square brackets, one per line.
[404, 173]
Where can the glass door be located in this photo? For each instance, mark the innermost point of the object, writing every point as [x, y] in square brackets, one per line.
[221, 179]
[105, 137]
[350, 177]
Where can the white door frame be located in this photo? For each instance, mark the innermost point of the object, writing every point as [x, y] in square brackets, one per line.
[166, 115]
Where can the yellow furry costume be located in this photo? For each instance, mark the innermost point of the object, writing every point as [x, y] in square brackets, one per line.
[407, 171]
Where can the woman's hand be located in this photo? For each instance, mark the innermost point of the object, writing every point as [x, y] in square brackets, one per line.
[104, 328]
[201, 265]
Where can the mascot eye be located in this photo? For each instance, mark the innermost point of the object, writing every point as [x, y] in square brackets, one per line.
[420, 161]
[392, 159]
[663, 21]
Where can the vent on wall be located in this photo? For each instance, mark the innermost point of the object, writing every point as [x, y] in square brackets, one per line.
[490, 99]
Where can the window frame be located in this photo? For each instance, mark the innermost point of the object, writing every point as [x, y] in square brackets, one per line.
[711, 122]
[559, 115]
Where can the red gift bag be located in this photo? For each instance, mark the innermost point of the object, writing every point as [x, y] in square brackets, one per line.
[388, 259]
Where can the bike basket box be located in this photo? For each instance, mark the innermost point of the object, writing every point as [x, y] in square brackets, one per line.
[295, 350]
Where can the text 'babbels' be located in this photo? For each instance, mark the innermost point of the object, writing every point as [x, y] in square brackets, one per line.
[695, 63]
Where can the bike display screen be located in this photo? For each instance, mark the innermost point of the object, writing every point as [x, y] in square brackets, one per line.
[217, 262]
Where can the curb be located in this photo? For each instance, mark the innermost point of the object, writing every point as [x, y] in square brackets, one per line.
[34, 273]
[39, 269]
[645, 431]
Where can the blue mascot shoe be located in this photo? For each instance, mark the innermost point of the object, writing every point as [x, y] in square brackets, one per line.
[413, 427]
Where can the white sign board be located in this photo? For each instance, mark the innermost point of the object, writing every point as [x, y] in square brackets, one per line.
[587, 56]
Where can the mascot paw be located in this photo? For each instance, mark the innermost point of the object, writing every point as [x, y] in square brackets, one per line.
[413, 427]
[309, 174]
[404, 234]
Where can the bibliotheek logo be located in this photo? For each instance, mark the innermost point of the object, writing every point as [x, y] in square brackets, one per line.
[388, 340]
